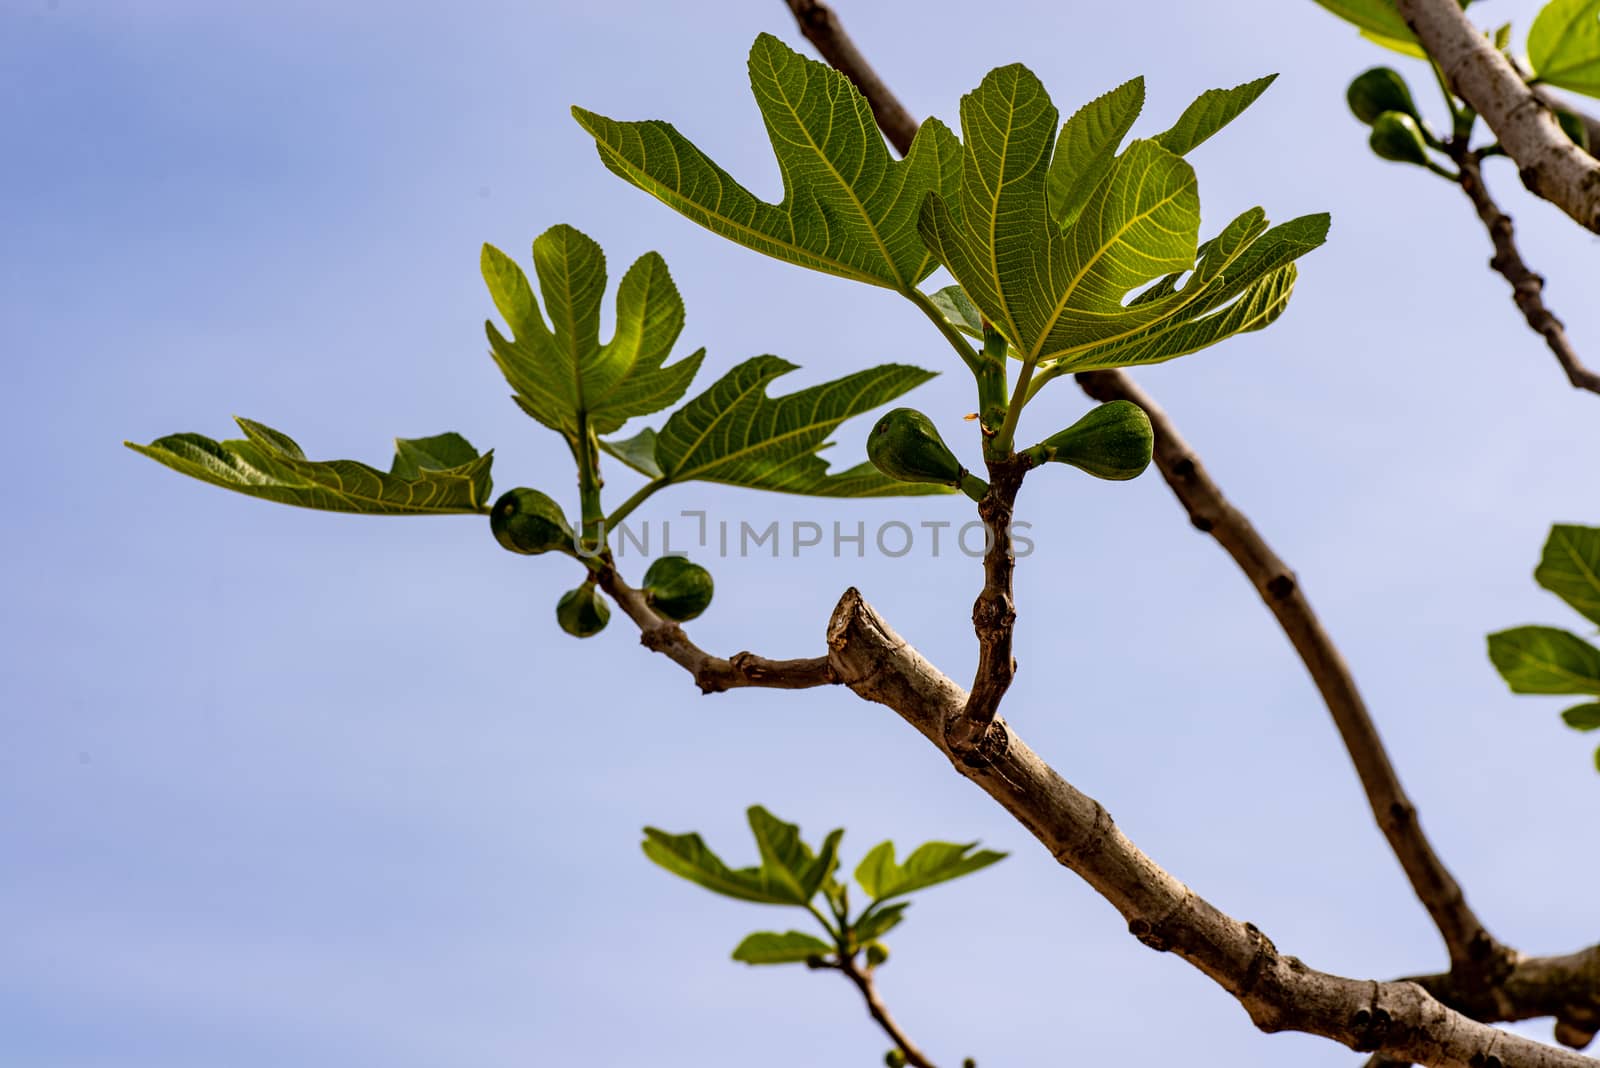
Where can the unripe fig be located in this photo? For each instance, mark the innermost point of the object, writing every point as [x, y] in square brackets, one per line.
[677, 588]
[1113, 441]
[906, 446]
[1397, 137]
[526, 521]
[1378, 90]
[895, 1059]
[877, 953]
[1575, 128]
[582, 613]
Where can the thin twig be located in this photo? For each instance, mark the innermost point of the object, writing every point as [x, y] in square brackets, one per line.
[1473, 950]
[1471, 946]
[1527, 287]
[712, 674]
[862, 978]
[994, 613]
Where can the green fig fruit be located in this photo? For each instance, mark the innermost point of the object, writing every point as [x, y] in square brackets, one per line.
[906, 446]
[1396, 136]
[1378, 90]
[877, 953]
[582, 612]
[895, 1059]
[677, 588]
[526, 521]
[1113, 441]
[1575, 128]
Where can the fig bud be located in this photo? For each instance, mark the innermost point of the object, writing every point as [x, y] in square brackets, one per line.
[877, 953]
[581, 612]
[677, 588]
[1378, 90]
[1113, 441]
[1396, 136]
[526, 521]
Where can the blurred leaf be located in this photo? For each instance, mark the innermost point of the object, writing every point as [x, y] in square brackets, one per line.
[1564, 45]
[1502, 37]
[1210, 112]
[848, 207]
[439, 475]
[791, 947]
[1405, 48]
[1377, 17]
[561, 370]
[686, 855]
[929, 864]
[1570, 568]
[1545, 660]
[876, 922]
[785, 854]
[735, 433]
[1583, 717]
[959, 311]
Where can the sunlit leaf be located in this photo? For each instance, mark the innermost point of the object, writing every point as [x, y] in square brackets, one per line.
[791, 947]
[1564, 45]
[561, 369]
[1378, 17]
[1210, 112]
[849, 208]
[688, 856]
[929, 864]
[1545, 660]
[735, 433]
[1087, 146]
[1570, 567]
[438, 475]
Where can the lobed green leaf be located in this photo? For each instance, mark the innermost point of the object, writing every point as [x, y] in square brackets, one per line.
[440, 475]
[928, 865]
[848, 207]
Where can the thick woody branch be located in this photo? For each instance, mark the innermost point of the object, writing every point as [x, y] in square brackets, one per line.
[1474, 952]
[1279, 992]
[1551, 166]
[1527, 287]
[712, 674]
[1565, 987]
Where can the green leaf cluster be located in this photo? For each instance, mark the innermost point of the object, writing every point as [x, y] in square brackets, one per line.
[793, 873]
[1549, 660]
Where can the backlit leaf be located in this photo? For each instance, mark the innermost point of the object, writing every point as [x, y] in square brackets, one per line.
[1545, 660]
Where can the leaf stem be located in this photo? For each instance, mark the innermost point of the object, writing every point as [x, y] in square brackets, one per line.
[836, 934]
[999, 446]
[586, 449]
[640, 496]
[968, 356]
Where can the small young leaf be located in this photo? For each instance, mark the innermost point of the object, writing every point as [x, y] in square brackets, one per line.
[1582, 717]
[562, 370]
[1210, 112]
[1545, 660]
[638, 452]
[1564, 45]
[687, 855]
[959, 311]
[439, 475]
[1570, 567]
[877, 922]
[735, 433]
[929, 864]
[791, 947]
[848, 207]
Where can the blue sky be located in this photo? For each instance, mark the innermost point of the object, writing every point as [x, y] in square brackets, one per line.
[292, 788]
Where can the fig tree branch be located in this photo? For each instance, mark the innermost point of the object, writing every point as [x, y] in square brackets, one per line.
[1279, 992]
[712, 674]
[1527, 287]
[863, 981]
[1474, 952]
[1471, 946]
[1550, 165]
